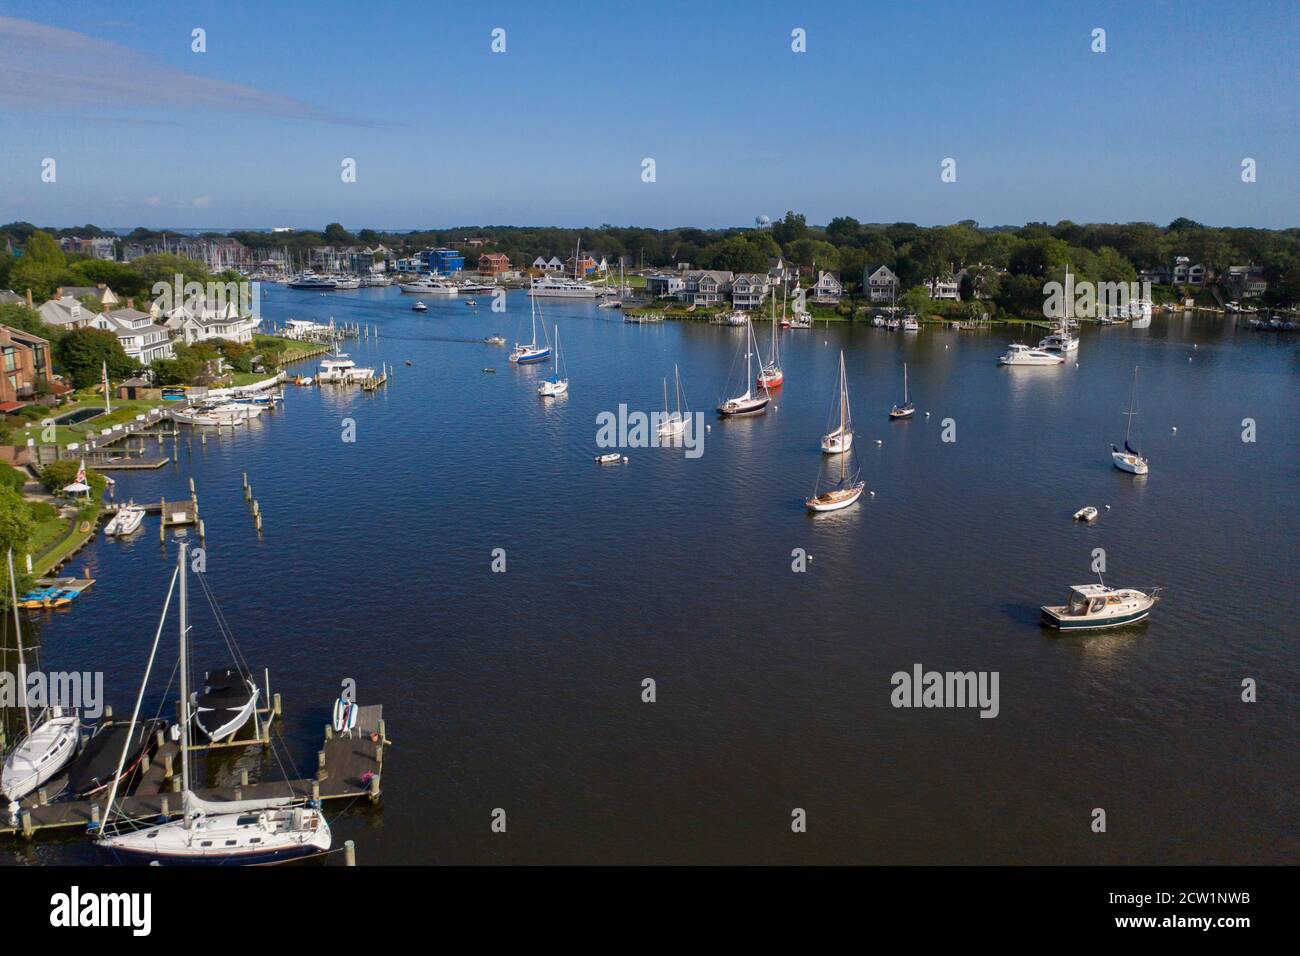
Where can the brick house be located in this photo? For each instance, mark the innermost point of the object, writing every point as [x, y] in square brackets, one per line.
[25, 361]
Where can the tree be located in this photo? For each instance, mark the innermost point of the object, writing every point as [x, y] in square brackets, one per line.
[793, 226]
[82, 354]
[57, 475]
[336, 235]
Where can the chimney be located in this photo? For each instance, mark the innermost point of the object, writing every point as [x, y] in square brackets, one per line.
[29, 298]
[130, 302]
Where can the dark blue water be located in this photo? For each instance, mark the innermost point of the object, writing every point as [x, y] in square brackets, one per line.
[522, 690]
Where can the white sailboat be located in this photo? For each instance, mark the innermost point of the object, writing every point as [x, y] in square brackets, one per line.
[555, 385]
[1130, 459]
[50, 742]
[848, 488]
[225, 832]
[525, 353]
[747, 403]
[670, 426]
[907, 409]
[771, 375]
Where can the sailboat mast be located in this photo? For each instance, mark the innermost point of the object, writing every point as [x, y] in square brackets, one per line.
[184, 665]
[844, 394]
[18, 634]
[904, 383]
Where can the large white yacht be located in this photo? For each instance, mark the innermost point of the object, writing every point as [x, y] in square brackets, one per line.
[1018, 354]
[340, 368]
[310, 280]
[559, 287]
[429, 285]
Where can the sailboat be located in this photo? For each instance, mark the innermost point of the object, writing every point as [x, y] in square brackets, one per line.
[526, 353]
[771, 375]
[748, 403]
[554, 385]
[848, 488]
[673, 425]
[1130, 459]
[907, 409]
[50, 741]
[265, 830]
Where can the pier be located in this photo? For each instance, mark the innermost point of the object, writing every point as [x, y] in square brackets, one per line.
[348, 767]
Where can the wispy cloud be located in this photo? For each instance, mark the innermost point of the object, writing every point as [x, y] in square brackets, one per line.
[47, 68]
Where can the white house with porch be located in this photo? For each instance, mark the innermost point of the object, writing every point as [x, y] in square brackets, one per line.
[202, 318]
[880, 283]
[827, 288]
[142, 339]
[748, 291]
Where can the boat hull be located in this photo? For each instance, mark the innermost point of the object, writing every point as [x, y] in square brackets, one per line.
[897, 412]
[38, 757]
[1051, 618]
[529, 358]
[835, 501]
[737, 409]
[1132, 464]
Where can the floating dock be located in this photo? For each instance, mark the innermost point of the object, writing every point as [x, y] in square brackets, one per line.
[348, 768]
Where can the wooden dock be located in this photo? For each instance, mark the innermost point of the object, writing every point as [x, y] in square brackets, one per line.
[348, 768]
[182, 511]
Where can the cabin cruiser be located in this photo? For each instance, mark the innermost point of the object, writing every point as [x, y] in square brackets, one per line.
[374, 280]
[802, 320]
[479, 287]
[1092, 606]
[557, 287]
[127, 520]
[310, 280]
[340, 368]
[347, 282]
[1018, 354]
[910, 324]
[429, 285]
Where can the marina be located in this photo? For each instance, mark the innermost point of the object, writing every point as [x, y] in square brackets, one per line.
[999, 484]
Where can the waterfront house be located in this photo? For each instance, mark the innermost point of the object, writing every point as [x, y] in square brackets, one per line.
[1185, 272]
[943, 288]
[827, 288]
[748, 291]
[141, 338]
[493, 264]
[781, 271]
[585, 265]
[66, 312]
[553, 264]
[24, 366]
[880, 283]
[101, 293]
[203, 317]
[705, 286]
[446, 261]
[663, 284]
[1246, 282]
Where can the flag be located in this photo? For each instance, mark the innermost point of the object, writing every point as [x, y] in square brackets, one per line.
[81, 473]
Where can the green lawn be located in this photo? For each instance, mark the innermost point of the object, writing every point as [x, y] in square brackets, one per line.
[123, 412]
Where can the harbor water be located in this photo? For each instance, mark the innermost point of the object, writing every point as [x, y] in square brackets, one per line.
[523, 689]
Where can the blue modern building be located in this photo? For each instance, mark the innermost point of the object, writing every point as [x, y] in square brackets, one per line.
[446, 261]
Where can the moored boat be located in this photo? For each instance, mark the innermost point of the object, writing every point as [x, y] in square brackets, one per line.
[849, 487]
[1095, 606]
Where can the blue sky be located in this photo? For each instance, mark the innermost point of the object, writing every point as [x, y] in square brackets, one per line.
[444, 132]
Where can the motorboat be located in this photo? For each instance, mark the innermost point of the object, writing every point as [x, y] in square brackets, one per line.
[225, 704]
[125, 521]
[340, 368]
[910, 324]
[419, 307]
[1093, 606]
[1086, 513]
[430, 285]
[559, 287]
[310, 280]
[493, 340]
[1018, 354]
[612, 458]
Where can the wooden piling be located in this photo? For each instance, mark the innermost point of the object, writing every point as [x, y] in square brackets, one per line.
[349, 853]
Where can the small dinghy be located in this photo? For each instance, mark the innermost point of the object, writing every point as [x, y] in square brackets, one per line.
[226, 702]
[94, 768]
[1086, 513]
[419, 307]
[613, 458]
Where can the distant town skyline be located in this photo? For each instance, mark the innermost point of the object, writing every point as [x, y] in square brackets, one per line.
[555, 131]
